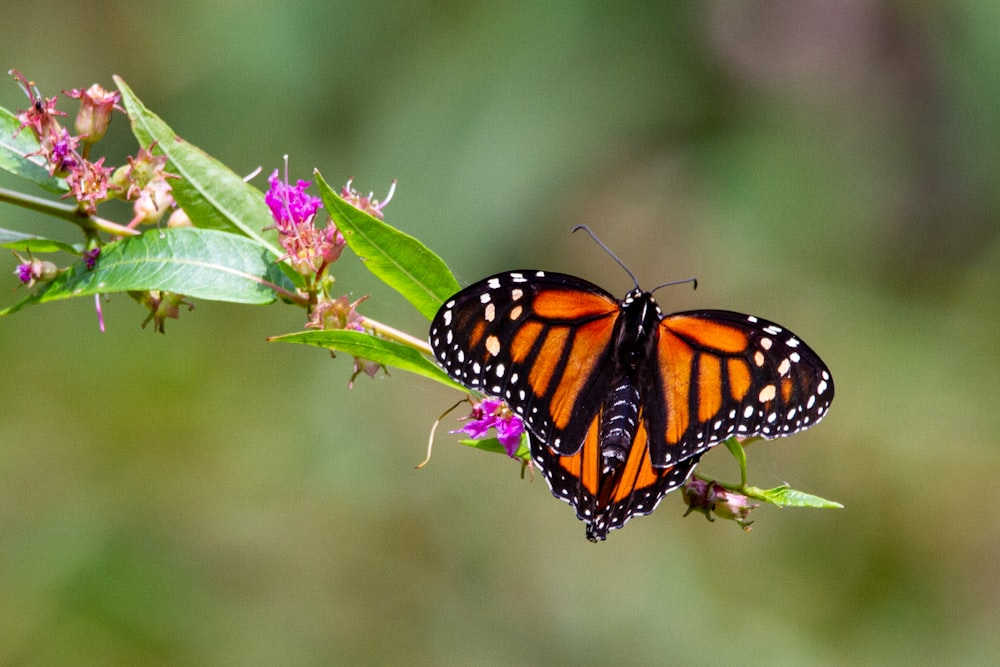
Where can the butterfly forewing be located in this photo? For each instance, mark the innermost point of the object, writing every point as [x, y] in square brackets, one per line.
[719, 374]
[541, 341]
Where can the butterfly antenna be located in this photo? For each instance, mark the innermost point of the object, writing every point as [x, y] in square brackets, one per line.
[692, 280]
[608, 250]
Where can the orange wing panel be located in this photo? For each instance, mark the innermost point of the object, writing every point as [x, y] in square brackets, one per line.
[721, 337]
[590, 341]
[675, 358]
[709, 386]
[571, 304]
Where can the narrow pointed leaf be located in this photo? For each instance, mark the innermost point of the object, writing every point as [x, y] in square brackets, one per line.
[212, 195]
[787, 497]
[31, 243]
[379, 350]
[398, 259]
[16, 154]
[200, 263]
[493, 445]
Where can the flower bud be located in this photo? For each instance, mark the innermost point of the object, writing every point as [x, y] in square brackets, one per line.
[708, 497]
[179, 218]
[94, 116]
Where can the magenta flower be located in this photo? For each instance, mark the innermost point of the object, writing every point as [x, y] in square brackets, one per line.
[494, 413]
[309, 248]
[290, 205]
[63, 155]
[24, 273]
[90, 258]
[32, 270]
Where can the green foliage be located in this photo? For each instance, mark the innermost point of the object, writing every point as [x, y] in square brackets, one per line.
[212, 195]
[399, 260]
[493, 445]
[380, 350]
[32, 243]
[200, 263]
[784, 496]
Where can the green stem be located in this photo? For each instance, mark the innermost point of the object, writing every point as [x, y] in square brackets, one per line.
[738, 488]
[386, 331]
[66, 212]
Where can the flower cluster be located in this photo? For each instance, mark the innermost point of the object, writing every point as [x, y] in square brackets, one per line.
[89, 181]
[144, 180]
[494, 413]
[309, 248]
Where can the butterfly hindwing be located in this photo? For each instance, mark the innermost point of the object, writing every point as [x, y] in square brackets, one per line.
[541, 341]
[607, 493]
[719, 374]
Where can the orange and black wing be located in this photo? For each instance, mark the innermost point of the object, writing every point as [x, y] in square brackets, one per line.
[607, 492]
[541, 341]
[718, 374]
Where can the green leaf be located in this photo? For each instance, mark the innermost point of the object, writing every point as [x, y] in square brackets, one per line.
[380, 350]
[31, 243]
[16, 151]
[211, 194]
[786, 497]
[493, 445]
[397, 259]
[199, 263]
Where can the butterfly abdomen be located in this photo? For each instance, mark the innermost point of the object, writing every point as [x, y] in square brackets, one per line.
[619, 420]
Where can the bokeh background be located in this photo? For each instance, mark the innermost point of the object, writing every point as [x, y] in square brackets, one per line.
[205, 497]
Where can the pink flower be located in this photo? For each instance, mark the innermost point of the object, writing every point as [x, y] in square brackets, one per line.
[336, 314]
[310, 249]
[494, 413]
[40, 116]
[94, 116]
[368, 204]
[32, 270]
[89, 183]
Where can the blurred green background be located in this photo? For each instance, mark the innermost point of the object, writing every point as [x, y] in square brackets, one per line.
[205, 497]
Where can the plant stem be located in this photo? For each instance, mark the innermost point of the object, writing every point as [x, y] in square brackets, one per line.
[386, 331]
[66, 212]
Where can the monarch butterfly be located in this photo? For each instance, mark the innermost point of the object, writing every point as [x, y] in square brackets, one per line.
[622, 400]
